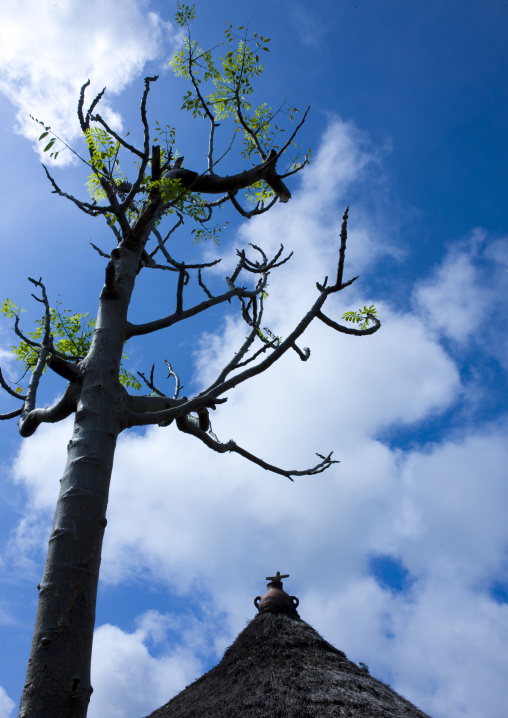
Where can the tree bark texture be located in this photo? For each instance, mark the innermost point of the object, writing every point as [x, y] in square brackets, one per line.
[57, 683]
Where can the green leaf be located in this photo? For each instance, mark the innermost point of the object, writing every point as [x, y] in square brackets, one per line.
[49, 145]
[44, 134]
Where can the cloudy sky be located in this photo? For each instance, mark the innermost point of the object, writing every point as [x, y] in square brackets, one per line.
[399, 553]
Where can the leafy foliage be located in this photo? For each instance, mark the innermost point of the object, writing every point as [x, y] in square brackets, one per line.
[104, 150]
[360, 317]
[230, 90]
[49, 145]
[72, 332]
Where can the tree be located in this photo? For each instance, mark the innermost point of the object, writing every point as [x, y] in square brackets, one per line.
[88, 354]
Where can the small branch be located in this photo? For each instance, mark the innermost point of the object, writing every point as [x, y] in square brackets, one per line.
[11, 415]
[38, 345]
[191, 426]
[349, 330]
[8, 389]
[236, 360]
[202, 285]
[162, 242]
[94, 104]
[142, 405]
[279, 153]
[45, 350]
[266, 265]
[208, 113]
[149, 382]
[97, 249]
[172, 372]
[146, 216]
[258, 209]
[118, 138]
[304, 353]
[63, 408]
[253, 135]
[266, 347]
[136, 330]
[81, 102]
[297, 169]
[85, 122]
[183, 280]
[342, 251]
[92, 209]
[288, 343]
[146, 146]
[217, 203]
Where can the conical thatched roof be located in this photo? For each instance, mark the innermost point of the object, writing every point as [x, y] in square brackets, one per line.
[280, 667]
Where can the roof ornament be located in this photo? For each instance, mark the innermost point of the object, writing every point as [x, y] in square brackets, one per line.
[276, 599]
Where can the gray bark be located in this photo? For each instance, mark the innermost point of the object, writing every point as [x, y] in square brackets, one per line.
[58, 675]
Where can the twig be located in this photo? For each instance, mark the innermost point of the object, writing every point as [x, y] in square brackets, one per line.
[172, 372]
[8, 389]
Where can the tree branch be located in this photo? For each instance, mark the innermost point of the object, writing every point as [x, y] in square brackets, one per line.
[190, 425]
[161, 243]
[136, 330]
[172, 372]
[118, 138]
[288, 343]
[11, 414]
[146, 148]
[63, 408]
[64, 369]
[46, 346]
[206, 109]
[149, 404]
[8, 389]
[216, 184]
[92, 209]
[279, 153]
[258, 209]
[349, 330]
[342, 251]
[144, 411]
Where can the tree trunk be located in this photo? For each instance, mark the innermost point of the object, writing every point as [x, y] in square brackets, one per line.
[57, 682]
[58, 675]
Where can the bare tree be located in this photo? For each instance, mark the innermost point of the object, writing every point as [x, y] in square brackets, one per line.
[58, 675]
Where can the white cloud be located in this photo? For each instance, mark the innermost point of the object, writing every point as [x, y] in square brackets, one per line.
[7, 705]
[43, 454]
[184, 517]
[128, 680]
[463, 298]
[46, 55]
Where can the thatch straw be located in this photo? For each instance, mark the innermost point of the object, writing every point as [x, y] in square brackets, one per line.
[280, 667]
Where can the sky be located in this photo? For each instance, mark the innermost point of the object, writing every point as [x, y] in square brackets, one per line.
[398, 554]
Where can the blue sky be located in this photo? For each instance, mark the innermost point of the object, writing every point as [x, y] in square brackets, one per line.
[399, 553]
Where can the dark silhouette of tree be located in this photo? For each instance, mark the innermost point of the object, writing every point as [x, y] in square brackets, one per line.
[88, 354]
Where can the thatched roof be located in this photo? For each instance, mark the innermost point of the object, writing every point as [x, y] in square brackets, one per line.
[280, 667]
